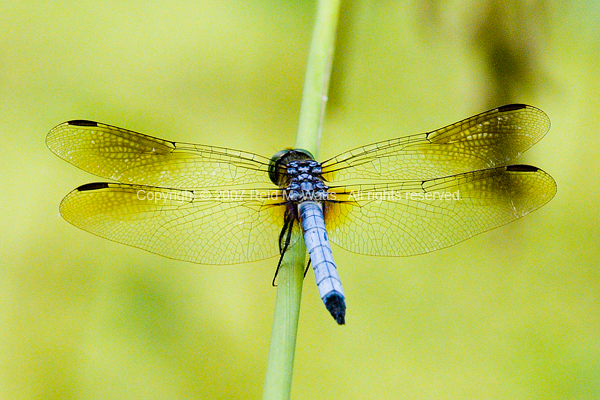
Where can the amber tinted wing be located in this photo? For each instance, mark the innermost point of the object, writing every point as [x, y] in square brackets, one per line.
[483, 141]
[130, 157]
[208, 227]
[406, 218]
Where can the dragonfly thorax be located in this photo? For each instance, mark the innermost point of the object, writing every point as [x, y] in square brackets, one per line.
[299, 175]
[305, 182]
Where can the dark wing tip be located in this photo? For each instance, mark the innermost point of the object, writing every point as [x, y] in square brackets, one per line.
[336, 306]
[92, 186]
[82, 122]
[522, 168]
[511, 107]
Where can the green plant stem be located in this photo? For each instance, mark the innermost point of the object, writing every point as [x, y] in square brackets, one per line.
[278, 380]
[318, 71]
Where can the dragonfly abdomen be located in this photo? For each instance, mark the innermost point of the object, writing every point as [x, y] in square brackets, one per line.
[317, 244]
[300, 176]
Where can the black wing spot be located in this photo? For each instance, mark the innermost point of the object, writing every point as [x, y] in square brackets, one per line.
[511, 107]
[92, 186]
[522, 168]
[82, 122]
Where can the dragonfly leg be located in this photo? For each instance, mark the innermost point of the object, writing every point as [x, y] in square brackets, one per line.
[307, 267]
[288, 226]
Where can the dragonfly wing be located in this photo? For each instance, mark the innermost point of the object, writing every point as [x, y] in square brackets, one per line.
[130, 157]
[414, 217]
[200, 227]
[483, 141]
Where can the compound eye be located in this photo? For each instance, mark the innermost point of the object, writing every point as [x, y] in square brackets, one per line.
[304, 154]
[279, 163]
[277, 167]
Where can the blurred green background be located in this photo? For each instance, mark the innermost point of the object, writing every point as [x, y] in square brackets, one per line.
[511, 314]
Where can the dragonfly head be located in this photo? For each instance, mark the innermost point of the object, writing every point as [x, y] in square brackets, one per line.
[277, 165]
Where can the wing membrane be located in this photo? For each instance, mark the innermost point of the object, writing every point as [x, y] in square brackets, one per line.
[391, 200]
[201, 227]
[483, 141]
[415, 217]
[130, 157]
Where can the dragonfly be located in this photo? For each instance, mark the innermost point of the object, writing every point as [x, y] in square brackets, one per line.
[214, 205]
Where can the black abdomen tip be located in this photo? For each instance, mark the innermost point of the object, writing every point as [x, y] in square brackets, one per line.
[336, 306]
